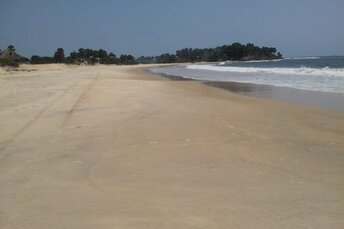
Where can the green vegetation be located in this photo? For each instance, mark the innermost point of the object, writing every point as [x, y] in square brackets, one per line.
[8, 62]
[4, 61]
[59, 55]
[41, 60]
[233, 52]
[84, 56]
[9, 57]
[12, 48]
[101, 56]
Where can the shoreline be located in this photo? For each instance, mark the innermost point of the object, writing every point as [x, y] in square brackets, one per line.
[328, 100]
[117, 147]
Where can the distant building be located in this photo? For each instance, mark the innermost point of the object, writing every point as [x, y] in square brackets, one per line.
[10, 53]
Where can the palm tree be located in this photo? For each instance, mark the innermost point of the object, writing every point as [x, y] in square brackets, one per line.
[12, 48]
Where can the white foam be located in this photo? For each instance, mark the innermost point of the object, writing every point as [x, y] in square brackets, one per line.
[248, 61]
[324, 79]
[303, 58]
[330, 72]
[261, 61]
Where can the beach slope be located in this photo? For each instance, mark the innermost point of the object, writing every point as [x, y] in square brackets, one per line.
[115, 147]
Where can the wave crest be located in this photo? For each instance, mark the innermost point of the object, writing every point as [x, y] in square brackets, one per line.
[326, 71]
[303, 58]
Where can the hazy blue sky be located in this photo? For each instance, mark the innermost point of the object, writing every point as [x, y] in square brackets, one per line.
[151, 27]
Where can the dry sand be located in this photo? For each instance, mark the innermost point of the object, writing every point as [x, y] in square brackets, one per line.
[114, 147]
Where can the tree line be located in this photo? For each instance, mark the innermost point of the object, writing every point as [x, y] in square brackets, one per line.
[84, 56]
[233, 52]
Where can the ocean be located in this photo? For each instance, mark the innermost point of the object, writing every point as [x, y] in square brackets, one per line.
[308, 73]
[281, 79]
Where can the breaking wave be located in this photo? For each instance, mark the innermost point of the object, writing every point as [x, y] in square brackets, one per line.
[302, 71]
[304, 58]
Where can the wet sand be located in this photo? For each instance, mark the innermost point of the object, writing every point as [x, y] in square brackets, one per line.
[117, 147]
[328, 100]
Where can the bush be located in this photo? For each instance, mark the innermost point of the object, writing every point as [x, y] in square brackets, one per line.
[13, 64]
[8, 62]
[41, 60]
[4, 61]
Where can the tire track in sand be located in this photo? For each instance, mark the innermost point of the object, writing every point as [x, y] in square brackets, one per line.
[79, 100]
[35, 118]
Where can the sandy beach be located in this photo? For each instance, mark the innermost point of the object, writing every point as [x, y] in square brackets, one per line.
[84, 147]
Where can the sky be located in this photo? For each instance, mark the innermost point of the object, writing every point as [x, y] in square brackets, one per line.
[153, 27]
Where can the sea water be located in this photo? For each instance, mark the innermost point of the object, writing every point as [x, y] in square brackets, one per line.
[324, 74]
